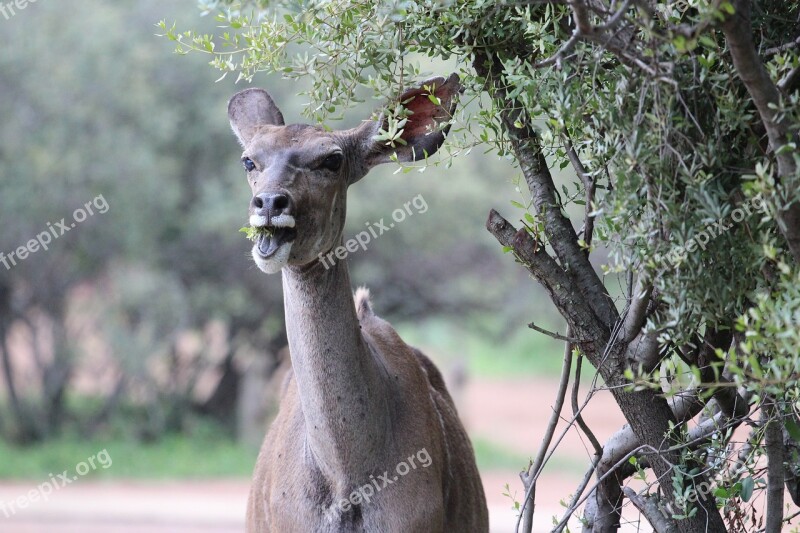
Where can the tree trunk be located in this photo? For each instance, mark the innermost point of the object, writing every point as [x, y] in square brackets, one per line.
[582, 299]
[26, 430]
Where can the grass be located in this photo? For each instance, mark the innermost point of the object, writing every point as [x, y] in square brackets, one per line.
[204, 455]
[491, 455]
[173, 457]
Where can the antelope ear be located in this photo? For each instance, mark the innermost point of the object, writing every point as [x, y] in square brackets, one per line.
[250, 109]
[431, 106]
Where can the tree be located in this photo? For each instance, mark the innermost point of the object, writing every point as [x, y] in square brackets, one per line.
[114, 125]
[94, 329]
[680, 123]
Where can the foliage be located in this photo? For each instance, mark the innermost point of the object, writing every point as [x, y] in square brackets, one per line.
[172, 457]
[677, 165]
[114, 120]
[252, 232]
[154, 301]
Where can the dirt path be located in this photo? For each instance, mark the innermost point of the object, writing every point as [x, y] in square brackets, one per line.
[513, 414]
[190, 507]
[516, 412]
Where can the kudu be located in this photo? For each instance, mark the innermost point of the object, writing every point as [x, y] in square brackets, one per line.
[367, 438]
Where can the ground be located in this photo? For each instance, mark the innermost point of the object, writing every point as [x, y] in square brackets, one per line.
[506, 415]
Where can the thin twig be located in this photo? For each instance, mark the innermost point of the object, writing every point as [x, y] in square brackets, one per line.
[783, 47]
[554, 335]
[598, 449]
[572, 508]
[578, 492]
[786, 520]
[589, 185]
[565, 48]
[614, 20]
[648, 506]
[528, 479]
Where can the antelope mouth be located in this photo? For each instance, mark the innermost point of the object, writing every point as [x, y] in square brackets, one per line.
[268, 244]
[272, 234]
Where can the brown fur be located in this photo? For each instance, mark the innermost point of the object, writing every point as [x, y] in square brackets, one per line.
[359, 403]
[445, 497]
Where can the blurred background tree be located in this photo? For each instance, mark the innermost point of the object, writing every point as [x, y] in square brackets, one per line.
[145, 321]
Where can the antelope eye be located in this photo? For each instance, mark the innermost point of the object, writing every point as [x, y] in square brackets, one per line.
[333, 162]
[248, 164]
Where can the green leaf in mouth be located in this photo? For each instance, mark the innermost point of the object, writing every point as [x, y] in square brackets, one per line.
[254, 232]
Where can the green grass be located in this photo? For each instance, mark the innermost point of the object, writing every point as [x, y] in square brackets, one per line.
[493, 456]
[183, 457]
[173, 457]
[176, 457]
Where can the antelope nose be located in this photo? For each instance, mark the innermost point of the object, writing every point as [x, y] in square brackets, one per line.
[270, 205]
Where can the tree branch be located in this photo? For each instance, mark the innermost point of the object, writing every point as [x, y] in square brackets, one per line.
[738, 32]
[792, 458]
[576, 412]
[773, 444]
[726, 397]
[589, 185]
[605, 504]
[573, 504]
[648, 506]
[529, 477]
[637, 310]
[790, 82]
[783, 47]
[557, 226]
[554, 335]
[555, 281]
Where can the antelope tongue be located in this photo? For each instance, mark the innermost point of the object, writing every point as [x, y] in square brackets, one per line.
[269, 244]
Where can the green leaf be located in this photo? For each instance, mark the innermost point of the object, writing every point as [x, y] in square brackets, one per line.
[747, 489]
[793, 429]
[252, 232]
[708, 41]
